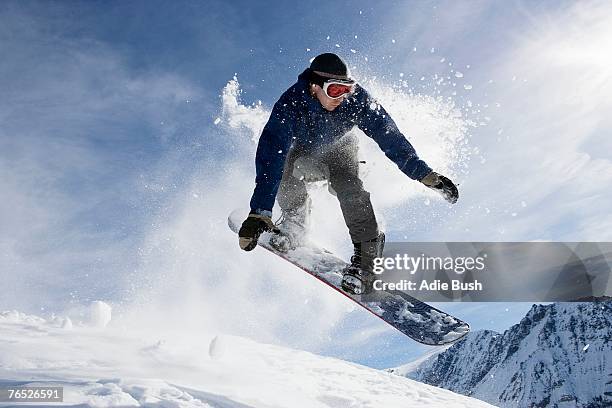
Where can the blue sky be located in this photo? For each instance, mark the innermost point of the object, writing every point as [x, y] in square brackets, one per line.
[116, 178]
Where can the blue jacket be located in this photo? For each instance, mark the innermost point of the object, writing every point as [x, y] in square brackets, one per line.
[298, 120]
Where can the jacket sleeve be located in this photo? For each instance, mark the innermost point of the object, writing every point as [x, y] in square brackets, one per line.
[274, 143]
[375, 122]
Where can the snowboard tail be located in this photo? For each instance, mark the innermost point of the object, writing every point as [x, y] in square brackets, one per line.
[418, 320]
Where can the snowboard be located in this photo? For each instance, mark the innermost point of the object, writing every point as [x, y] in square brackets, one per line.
[417, 320]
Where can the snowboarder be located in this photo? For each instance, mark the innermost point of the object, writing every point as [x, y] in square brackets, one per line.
[307, 139]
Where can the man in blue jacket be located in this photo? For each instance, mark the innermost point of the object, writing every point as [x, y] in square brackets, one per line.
[307, 139]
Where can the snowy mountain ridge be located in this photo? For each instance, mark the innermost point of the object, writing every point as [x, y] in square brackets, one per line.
[559, 355]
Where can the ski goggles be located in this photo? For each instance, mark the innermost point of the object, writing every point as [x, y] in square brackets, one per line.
[336, 88]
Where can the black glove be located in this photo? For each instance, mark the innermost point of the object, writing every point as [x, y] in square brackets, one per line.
[442, 185]
[252, 228]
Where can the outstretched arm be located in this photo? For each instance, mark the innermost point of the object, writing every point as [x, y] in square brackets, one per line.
[375, 122]
[274, 143]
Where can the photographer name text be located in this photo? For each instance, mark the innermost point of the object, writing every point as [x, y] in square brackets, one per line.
[423, 285]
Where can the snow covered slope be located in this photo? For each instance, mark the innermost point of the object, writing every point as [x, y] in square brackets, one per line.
[110, 365]
[559, 355]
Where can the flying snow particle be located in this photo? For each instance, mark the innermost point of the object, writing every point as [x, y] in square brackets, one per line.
[401, 74]
[337, 45]
[459, 74]
[327, 37]
[585, 348]
[307, 49]
[393, 41]
[523, 204]
[468, 87]
[432, 50]
[353, 51]
[217, 121]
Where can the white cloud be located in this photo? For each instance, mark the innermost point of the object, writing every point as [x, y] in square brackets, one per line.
[552, 152]
[71, 113]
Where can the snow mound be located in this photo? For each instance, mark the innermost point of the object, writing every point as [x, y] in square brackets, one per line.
[118, 367]
[99, 314]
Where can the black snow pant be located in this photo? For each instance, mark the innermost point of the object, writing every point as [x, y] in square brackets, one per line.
[340, 166]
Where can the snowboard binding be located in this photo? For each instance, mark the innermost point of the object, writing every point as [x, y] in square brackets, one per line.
[358, 278]
[292, 229]
[356, 282]
[282, 242]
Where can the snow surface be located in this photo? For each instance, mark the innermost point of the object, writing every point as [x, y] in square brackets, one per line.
[113, 366]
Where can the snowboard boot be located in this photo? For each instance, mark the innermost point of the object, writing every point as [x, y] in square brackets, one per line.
[357, 278]
[293, 229]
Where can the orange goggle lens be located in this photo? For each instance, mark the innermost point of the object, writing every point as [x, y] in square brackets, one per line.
[337, 90]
